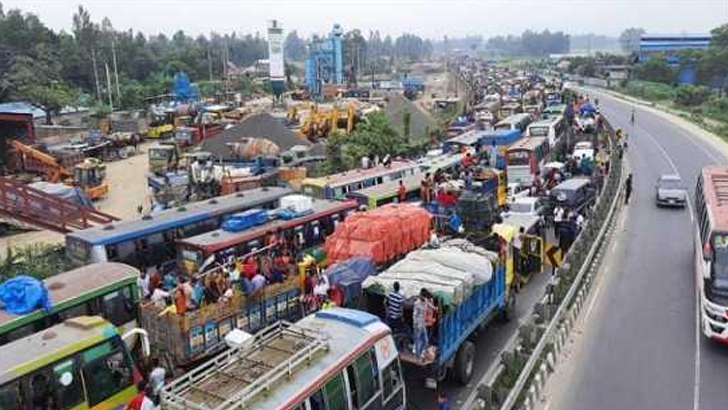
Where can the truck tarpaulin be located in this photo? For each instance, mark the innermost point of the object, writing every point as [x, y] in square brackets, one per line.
[379, 234]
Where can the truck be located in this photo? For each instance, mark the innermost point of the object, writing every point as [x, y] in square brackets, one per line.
[184, 340]
[470, 286]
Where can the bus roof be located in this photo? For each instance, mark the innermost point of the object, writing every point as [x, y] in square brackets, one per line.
[347, 177]
[546, 122]
[346, 333]
[529, 143]
[514, 118]
[66, 286]
[184, 215]
[222, 239]
[443, 161]
[388, 189]
[24, 355]
[715, 191]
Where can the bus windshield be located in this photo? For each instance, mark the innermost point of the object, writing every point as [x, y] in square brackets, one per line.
[539, 131]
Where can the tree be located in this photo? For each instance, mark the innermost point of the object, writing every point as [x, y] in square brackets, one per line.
[629, 40]
[294, 47]
[656, 69]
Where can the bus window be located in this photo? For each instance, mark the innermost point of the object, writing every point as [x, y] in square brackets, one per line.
[317, 401]
[74, 311]
[69, 389]
[392, 386]
[366, 371]
[11, 397]
[106, 376]
[335, 394]
[112, 252]
[119, 306]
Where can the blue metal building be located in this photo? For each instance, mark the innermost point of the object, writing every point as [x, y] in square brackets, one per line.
[668, 47]
[325, 63]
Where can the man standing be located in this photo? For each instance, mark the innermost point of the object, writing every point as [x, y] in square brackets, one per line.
[394, 309]
[401, 192]
[628, 189]
[419, 325]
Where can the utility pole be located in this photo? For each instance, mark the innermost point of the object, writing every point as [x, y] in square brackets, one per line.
[209, 61]
[96, 75]
[116, 71]
[108, 86]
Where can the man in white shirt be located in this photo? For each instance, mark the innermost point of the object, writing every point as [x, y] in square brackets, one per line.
[143, 285]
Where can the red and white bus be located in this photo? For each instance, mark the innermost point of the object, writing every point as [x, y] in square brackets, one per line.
[301, 232]
[711, 250]
[525, 159]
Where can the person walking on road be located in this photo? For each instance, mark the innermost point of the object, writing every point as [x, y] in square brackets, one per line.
[627, 189]
[631, 119]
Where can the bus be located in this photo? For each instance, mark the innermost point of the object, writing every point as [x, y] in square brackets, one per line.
[338, 185]
[82, 363]
[335, 359]
[525, 159]
[553, 128]
[305, 231]
[103, 289]
[150, 240]
[514, 122]
[711, 251]
[388, 192]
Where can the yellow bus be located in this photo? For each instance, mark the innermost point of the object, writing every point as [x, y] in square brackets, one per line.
[82, 363]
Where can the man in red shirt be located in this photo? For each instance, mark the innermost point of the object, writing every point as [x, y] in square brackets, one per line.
[136, 402]
[401, 192]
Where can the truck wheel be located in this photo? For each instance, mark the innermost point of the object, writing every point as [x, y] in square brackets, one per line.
[464, 363]
[509, 310]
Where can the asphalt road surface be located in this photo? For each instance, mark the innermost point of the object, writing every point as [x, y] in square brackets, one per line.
[641, 347]
[489, 343]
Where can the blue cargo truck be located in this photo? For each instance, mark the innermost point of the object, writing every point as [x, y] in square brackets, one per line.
[457, 320]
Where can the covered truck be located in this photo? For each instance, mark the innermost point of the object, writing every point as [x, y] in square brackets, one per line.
[469, 286]
[382, 234]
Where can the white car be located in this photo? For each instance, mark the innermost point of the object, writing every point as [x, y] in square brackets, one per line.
[582, 149]
[526, 205]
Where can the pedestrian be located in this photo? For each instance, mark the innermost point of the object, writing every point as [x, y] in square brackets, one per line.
[442, 402]
[157, 377]
[425, 189]
[401, 192]
[136, 402]
[517, 247]
[150, 399]
[627, 189]
[394, 308]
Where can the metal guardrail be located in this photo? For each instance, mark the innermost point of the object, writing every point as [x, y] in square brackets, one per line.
[525, 353]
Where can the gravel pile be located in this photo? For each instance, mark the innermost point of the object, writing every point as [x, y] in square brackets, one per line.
[421, 123]
[261, 125]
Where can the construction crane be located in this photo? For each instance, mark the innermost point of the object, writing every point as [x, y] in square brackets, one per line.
[89, 175]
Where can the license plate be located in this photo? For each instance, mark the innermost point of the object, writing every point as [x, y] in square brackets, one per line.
[672, 201]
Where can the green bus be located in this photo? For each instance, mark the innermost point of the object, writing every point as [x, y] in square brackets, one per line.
[388, 192]
[80, 364]
[101, 289]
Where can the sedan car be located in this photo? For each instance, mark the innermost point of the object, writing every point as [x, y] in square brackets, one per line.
[670, 191]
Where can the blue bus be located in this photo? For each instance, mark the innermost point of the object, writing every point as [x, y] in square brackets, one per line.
[151, 239]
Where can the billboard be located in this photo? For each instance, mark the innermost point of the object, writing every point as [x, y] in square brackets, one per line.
[275, 51]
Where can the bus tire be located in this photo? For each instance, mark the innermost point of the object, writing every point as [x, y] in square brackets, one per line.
[464, 363]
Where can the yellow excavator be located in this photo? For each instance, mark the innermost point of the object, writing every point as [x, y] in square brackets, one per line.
[90, 175]
[319, 123]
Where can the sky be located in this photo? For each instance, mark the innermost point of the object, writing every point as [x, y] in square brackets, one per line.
[426, 18]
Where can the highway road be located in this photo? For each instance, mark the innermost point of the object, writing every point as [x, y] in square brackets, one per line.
[641, 347]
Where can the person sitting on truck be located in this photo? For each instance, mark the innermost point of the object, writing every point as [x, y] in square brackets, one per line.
[170, 281]
[198, 292]
[180, 300]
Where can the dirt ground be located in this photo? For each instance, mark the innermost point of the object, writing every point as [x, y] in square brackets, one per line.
[127, 190]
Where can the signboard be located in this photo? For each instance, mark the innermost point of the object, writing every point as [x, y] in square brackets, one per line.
[275, 51]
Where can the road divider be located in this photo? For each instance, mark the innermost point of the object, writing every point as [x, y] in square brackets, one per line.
[518, 378]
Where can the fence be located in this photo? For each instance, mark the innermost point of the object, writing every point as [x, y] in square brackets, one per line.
[517, 379]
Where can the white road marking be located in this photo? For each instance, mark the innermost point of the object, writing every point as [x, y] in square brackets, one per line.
[696, 384]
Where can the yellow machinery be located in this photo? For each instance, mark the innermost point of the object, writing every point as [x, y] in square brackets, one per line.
[89, 175]
[319, 123]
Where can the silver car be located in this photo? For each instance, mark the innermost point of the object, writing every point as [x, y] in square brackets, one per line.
[670, 191]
